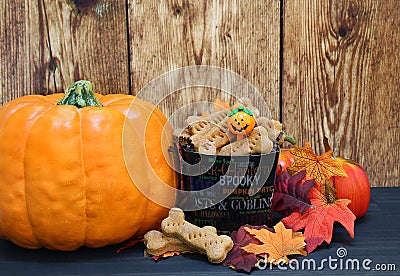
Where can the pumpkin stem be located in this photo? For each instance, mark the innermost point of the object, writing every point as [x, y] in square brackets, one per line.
[80, 94]
[290, 139]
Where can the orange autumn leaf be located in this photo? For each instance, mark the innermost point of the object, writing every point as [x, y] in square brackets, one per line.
[170, 254]
[277, 245]
[320, 168]
[217, 106]
[220, 105]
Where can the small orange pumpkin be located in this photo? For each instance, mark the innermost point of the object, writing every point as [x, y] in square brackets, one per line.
[286, 159]
[241, 121]
[355, 187]
[64, 179]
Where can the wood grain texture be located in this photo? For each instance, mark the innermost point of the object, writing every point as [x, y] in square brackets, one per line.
[49, 44]
[242, 36]
[20, 51]
[89, 41]
[340, 79]
[339, 75]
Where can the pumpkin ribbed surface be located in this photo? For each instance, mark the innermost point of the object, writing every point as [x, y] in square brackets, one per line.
[64, 180]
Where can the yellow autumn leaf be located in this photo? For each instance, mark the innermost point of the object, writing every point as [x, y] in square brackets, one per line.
[320, 168]
[278, 245]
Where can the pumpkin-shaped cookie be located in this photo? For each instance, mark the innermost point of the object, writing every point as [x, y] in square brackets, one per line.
[241, 121]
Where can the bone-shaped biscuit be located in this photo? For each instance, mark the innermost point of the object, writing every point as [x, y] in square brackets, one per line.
[257, 142]
[223, 125]
[215, 247]
[217, 117]
[217, 136]
[214, 134]
[274, 128]
[199, 127]
[157, 243]
[196, 140]
[207, 147]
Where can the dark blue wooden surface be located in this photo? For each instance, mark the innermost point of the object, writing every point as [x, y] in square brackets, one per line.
[376, 238]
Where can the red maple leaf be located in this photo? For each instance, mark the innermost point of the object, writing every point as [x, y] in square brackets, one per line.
[130, 243]
[318, 221]
[291, 193]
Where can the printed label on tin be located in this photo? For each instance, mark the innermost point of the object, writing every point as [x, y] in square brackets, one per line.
[246, 185]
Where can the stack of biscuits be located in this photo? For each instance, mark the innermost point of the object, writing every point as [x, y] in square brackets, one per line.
[210, 134]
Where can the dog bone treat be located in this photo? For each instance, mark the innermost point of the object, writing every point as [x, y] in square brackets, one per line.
[198, 127]
[275, 130]
[273, 127]
[157, 243]
[217, 136]
[215, 247]
[214, 134]
[223, 124]
[269, 123]
[196, 140]
[217, 117]
[257, 142]
[207, 147]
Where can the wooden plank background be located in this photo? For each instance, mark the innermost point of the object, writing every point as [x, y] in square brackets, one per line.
[326, 68]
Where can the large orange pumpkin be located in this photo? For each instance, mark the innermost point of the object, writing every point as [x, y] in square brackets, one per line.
[64, 181]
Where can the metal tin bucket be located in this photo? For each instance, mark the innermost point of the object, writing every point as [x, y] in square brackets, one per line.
[225, 191]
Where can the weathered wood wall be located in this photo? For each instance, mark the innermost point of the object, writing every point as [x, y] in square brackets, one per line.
[341, 68]
[324, 67]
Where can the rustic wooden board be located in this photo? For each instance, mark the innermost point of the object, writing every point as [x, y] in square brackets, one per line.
[242, 36]
[49, 44]
[340, 79]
